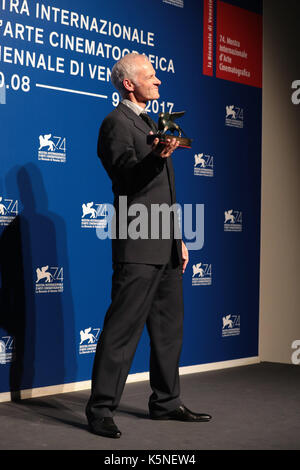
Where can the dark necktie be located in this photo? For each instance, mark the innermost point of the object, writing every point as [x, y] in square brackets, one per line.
[149, 121]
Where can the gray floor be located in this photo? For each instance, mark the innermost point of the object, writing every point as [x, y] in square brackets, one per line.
[253, 407]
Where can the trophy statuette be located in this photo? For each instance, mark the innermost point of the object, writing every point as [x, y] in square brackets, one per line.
[166, 122]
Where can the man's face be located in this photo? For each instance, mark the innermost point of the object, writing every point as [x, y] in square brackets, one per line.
[145, 82]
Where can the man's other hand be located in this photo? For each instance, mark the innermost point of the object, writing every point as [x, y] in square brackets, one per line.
[185, 256]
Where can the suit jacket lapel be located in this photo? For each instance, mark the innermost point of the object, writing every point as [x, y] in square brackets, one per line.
[138, 122]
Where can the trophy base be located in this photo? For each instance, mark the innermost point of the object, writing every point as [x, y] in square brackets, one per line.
[184, 142]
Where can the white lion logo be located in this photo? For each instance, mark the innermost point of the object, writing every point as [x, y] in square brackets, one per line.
[230, 111]
[227, 322]
[199, 160]
[2, 207]
[198, 270]
[229, 217]
[86, 335]
[88, 209]
[43, 274]
[45, 142]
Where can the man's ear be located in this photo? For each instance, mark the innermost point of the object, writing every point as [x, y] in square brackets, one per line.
[128, 85]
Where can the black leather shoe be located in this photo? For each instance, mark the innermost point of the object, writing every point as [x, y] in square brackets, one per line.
[183, 414]
[104, 427]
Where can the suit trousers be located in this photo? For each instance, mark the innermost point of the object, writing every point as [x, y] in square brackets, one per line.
[141, 294]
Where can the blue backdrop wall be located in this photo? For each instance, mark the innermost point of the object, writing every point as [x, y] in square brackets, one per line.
[55, 62]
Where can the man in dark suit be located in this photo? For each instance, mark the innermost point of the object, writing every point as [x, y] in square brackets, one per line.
[148, 266]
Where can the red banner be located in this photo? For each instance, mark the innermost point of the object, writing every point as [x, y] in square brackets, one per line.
[239, 45]
[208, 37]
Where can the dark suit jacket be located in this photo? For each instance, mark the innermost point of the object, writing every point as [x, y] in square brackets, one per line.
[141, 176]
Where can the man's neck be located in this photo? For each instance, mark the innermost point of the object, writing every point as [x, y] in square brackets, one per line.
[131, 97]
[134, 106]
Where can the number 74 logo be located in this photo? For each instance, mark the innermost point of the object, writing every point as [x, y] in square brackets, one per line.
[8, 206]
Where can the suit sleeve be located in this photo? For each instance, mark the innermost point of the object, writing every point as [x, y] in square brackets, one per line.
[116, 149]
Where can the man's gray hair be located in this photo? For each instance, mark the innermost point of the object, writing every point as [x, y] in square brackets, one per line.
[125, 68]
